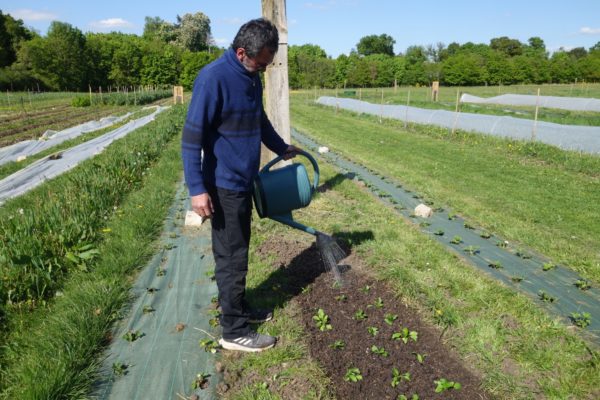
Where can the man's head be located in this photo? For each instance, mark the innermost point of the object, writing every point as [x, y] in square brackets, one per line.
[255, 44]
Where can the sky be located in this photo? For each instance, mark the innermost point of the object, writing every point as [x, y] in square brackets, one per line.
[338, 25]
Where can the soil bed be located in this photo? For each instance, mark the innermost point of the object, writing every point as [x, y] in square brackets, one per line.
[376, 299]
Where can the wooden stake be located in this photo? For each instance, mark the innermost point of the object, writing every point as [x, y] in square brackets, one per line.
[407, 105]
[456, 110]
[537, 106]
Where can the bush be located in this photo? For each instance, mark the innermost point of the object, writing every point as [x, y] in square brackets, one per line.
[81, 101]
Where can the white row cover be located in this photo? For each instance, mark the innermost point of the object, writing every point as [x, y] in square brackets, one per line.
[567, 137]
[47, 168]
[51, 138]
[563, 103]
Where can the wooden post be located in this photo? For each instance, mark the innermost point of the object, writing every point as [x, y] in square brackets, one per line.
[407, 105]
[276, 76]
[381, 108]
[435, 90]
[457, 111]
[90, 88]
[535, 117]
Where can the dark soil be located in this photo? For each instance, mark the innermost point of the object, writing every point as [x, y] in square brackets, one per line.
[301, 266]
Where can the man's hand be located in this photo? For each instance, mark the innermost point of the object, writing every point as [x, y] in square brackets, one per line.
[202, 205]
[290, 152]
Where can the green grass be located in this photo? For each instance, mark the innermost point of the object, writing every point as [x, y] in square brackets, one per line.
[53, 351]
[530, 194]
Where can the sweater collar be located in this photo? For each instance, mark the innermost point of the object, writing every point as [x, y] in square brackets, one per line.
[232, 59]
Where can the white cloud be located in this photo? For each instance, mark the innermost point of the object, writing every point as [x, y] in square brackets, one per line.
[586, 30]
[28, 15]
[111, 23]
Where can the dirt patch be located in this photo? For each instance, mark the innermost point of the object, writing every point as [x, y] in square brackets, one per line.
[419, 363]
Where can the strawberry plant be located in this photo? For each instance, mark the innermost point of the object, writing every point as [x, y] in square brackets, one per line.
[548, 266]
[403, 397]
[360, 315]
[378, 303]
[148, 309]
[545, 297]
[353, 375]
[322, 320]
[365, 289]
[495, 264]
[404, 335]
[209, 345]
[201, 381]
[119, 368]
[468, 226]
[485, 235]
[443, 385]
[583, 284]
[581, 319]
[341, 297]
[471, 250]
[373, 330]
[379, 351]
[516, 279]
[397, 377]
[338, 345]
[456, 240]
[420, 357]
[390, 318]
[439, 232]
[132, 336]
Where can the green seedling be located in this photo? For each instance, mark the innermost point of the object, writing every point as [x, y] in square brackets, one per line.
[210, 275]
[214, 299]
[405, 334]
[398, 377]
[214, 322]
[495, 264]
[413, 397]
[439, 232]
[160, 272]
[545, 297]
[373, 330]
[353, 375]
[471, 250]
[119, 369]
[502, 244]
[378, 303]
[485, 235]
[451, 216]
[548, 266]
[583, 284]
[443, 385]
[456, 240]
[306, 289]
[420, 357]
[516, 279]
[390, 318]
[468, 226]
[336, 285]
[341, 297]
[209, 345]
[132, 336]
[524, 255]
[360, 315]
[424, 224]
[338, 345]
[581, 319]
[148, 309]
[379, 351]
[322, 320]
[169, 246]
[201, 381]
[365, 289]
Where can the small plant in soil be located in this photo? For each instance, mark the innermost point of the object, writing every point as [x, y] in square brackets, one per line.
[390, 318]
[353, 375]
[379, 351]
[451, 216]
[424, 224]
[545, 297]
[201, 381]
[583, 284]
[209, 345]
[169, 246]
[468, 226]
[439, 232]
[516, 279]
[132, 336]
[502, 244]
[214, 299]
[420, 357]
[211, 275]
[581, 319]
[373, 330]
[495, 264]
[160, 272]
[548, 266]
[405, 334]
[360, 315]
[456, 240]
[485, 235]
[148, 309]
[322, 320]
[173, 235]
[523, 254]
[471, 250]
[365, 289]
[151, 290]
[341, 297]
[398, 377]
[378, 303]
[443, 385]
[214, 322]
[119, 369]
[403, 397]
[338, 345]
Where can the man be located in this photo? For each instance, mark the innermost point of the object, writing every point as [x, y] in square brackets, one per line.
[222, 135]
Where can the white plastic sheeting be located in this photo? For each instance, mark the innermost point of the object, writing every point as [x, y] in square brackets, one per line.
[567, 137]
[52, 138]
[564, 103]
[47, 168]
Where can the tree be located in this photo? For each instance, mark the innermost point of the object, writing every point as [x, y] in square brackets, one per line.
[373, 44]
[578, 52]
[12, 33]
[193, 31]
[414, 73]
[192, 63]
[510, 47]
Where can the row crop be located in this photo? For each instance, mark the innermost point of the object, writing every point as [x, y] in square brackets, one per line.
[120, 98]
[56, 228]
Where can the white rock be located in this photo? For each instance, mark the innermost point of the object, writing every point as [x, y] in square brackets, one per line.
[323, 150]
[193, 219]
[423, 211]
[21, 158]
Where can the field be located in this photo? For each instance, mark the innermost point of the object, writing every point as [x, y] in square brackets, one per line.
[411, 317]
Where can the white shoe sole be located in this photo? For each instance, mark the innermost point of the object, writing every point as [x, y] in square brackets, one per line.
[260, 321]
[234, 346]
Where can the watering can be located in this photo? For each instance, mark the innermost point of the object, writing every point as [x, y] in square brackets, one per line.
[278, 192]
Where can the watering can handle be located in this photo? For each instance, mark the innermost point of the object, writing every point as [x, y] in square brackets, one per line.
[305, 154]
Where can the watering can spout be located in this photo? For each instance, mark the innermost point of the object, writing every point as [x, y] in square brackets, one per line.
[288, 220]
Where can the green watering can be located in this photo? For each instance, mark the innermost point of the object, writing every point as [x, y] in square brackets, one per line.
[278, 192]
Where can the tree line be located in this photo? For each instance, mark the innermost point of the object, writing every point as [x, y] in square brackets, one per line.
[173, 53]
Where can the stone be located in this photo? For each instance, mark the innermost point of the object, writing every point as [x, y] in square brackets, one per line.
[193, 219]
[423, 211]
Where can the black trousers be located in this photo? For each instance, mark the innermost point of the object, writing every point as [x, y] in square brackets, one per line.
[230, 242]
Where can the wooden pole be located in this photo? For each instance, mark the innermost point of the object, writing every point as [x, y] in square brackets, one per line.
[535, 117]
[407, 105]
[276, 76]
[456, 110]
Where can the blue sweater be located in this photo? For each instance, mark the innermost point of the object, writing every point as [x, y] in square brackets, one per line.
[227, 120]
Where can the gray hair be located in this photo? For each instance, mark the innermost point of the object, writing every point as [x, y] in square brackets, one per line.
[255, 35]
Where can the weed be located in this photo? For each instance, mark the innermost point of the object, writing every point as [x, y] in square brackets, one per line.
[322, 320]
[502, 244]
[209, 345]
[456, 240]
[214, 299]
[451, 216]
[353, 375]
[360, 315]
[405, 334]
[581, 319]
[173, 235]
[379, 351]
[338, 345]
[169, 246]
[443, 385]
[373, 330]
[398, 377]
[390, 318]
[583, 284]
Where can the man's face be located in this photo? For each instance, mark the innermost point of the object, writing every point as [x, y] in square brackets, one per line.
[255, 64]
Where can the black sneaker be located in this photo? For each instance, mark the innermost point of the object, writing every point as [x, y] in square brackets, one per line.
[252, 342]
[259, 316]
